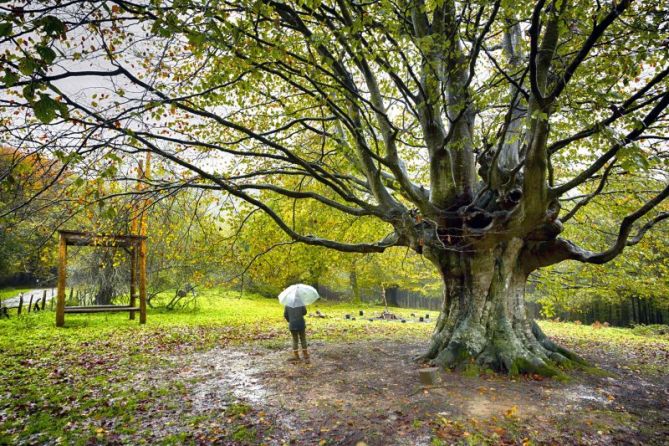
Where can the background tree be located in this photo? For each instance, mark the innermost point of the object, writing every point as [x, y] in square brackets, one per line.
[273, 261]
[26, 248]
[630, 289]
[459, 124]
[186, 247]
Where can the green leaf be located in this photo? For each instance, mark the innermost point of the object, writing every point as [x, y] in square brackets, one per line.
[45, 108]
[47, 54]
[196, 39]
[632, 158]
[161, 29]
[110, 212]
[114, 157]
[29, 92]
[27, 66]
[10, 78]
[5, 29]
[52, 26]
[63, 110]
[539, 115]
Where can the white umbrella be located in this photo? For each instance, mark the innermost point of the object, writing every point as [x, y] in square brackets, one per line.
[298, 295]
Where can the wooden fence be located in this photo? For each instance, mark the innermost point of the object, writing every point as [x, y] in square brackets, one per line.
[33, 302]
[396, 297]
[632, 311]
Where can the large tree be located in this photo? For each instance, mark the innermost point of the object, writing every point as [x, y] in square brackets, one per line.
[460, 124]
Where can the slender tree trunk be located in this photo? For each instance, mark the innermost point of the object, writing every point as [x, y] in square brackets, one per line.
[484, 320]
[105, 293]
[355, 287]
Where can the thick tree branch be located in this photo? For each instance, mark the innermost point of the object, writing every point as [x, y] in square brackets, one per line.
[549, 253]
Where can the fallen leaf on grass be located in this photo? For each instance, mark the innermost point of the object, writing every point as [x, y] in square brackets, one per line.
[512, 412]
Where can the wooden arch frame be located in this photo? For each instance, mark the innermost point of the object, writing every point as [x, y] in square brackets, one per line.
[136, 247]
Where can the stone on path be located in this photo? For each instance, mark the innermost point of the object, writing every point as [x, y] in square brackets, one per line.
[429, 376]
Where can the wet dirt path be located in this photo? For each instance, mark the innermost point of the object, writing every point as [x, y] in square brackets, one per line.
[369, 391]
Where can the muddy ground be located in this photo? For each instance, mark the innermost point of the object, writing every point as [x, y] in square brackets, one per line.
[369, 392]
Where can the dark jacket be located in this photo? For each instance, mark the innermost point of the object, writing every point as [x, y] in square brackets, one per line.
[295, 318]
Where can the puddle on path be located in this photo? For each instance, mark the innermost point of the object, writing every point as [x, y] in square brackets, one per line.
[220, 377]
[583, 394]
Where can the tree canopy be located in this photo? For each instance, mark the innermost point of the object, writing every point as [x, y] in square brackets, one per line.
[380, 108]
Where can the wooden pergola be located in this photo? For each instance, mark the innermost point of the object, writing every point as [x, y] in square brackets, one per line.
[135, 245]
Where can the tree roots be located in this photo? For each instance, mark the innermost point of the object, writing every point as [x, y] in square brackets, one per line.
[508, 351]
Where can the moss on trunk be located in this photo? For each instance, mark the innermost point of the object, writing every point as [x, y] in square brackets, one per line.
[484, 321]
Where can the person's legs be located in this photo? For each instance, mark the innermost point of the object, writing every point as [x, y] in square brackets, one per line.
[303, 341]
[296, 354]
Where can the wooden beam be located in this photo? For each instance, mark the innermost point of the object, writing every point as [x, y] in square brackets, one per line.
[105, 309]
[62, 264]
[69, 307]
[143, 231]
[133, 280]
[75, 238]
[142, 282]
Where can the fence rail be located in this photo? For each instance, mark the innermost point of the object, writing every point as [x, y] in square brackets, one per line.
[396, 297]
[32, 301]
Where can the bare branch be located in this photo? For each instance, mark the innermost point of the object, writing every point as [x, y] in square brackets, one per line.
[597, 31]
[648, 120]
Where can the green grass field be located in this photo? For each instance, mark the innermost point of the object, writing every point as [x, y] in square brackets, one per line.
[220, 316]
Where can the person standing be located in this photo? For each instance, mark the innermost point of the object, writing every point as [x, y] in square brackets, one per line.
[297, 326]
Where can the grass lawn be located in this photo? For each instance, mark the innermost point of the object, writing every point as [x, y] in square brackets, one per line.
[221, 317]
[103, 379]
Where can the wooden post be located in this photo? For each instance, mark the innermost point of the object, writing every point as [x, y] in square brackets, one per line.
[383, 293]
[20, 304]
[143, 230]
[30, 303]
[44, 300]
[142, 282]
[62, 263]
[133, 280]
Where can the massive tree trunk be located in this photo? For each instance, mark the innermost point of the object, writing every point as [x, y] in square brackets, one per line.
[483, 320]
